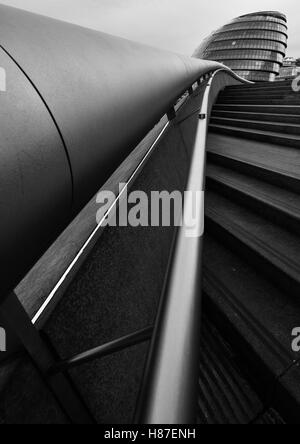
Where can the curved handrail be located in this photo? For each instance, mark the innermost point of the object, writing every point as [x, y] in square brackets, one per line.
[170, 385]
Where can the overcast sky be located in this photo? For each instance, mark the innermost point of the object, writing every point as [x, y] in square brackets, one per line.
[177, 25]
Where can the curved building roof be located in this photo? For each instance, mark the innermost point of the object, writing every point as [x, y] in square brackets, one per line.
[253, 45]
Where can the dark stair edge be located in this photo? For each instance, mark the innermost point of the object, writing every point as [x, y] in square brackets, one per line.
[260, 171]
[262, 136]
[266, 208]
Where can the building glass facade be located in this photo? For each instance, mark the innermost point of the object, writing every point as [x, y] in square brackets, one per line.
[253, 45]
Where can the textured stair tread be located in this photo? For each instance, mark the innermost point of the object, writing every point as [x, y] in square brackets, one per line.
[262, 85]
[258, 87]
[260, 106]
[284, 109]
[252, 100]
[270, 417]
[263, 102]
[261, 316]
[283, 200]
[225, 397]
[256, 132]
[259, 92]
[283, 160]
[273, 243]
[267, 117]
[283, 95]
[259, 95]
[231, 121]
[260, 100]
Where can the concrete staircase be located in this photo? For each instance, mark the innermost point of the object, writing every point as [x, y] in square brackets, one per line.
[252, 250]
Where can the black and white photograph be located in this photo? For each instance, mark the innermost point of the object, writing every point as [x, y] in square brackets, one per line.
[149, 215]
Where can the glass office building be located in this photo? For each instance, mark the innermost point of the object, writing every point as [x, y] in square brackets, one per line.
[253, 45]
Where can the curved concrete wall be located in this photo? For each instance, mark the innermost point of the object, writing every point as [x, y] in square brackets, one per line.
[77, 103]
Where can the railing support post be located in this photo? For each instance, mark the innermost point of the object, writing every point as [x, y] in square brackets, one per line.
[15, 317]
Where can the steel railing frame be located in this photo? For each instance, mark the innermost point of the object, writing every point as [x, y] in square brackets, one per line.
[169, 391]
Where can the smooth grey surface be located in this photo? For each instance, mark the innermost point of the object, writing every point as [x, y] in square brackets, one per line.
[105, 93]
[35, 186]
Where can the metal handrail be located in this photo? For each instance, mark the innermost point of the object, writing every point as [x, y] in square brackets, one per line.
[169, 392]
